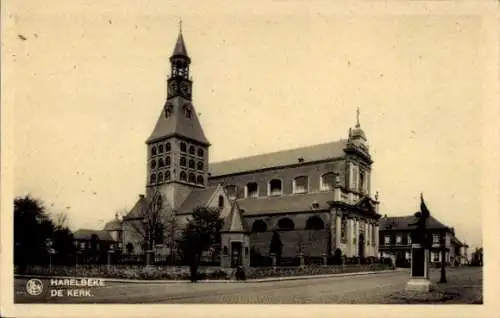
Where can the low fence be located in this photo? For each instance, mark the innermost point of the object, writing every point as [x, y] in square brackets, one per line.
[156, 272]
[139, 259]
[265, 261]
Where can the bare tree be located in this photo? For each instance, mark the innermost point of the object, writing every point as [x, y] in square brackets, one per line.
[149, 225]
[171, 234]
[60, 220]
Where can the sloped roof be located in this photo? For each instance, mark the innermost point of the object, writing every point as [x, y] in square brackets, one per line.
[86, 234]
[178, 124]
[197, 198]
[314, 153]
[234, 221]
[138, 210]
[286, 203]
[403, 223]
[113, 225]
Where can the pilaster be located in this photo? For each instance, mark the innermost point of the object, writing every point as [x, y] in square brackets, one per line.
[357, 228]
[333, 233]
[350, 236]
[338, 224]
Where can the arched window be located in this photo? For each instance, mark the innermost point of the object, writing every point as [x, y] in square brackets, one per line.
[153, 151]
[169, 109]
[160, 177]
[200, 152]
[362, 182]
[286, 224]
[152, 179]
[259, 226]
[232, 191]
[191, 150]
[221, 201]
[191, 164]
[153, 164]
[200, 180]
[192, 178]
[327, 181]
[252, 190]
[167, 161]
[160, 148]
[183, 146]
[183, 176]
[200, 165]
[315, 223]
[300, 184]
[187, 111]
[161, 163]
[168, 147]
[183, 161]
[275, 187]
[167, 175]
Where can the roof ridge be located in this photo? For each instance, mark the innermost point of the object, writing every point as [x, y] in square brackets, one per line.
[88, 230]
[281, 151]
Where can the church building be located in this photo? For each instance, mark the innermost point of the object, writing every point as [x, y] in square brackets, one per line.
[317, 198]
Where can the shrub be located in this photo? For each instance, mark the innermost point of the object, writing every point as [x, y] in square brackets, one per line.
[127, 272]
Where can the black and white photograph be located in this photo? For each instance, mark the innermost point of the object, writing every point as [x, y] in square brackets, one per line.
[250, 153]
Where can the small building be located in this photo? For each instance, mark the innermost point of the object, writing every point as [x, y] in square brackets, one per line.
[86, 239]
[109, 238]
[395, 241]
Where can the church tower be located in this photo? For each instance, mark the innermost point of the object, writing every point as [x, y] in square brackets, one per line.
[358, 161]
[177, 160]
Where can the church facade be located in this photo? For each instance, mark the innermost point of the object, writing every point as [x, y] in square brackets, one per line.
[317, 198]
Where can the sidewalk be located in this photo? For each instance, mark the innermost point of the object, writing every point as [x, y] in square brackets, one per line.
[259, 280]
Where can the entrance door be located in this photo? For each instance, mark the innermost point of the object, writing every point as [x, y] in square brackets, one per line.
[361, 246]
[236, 257]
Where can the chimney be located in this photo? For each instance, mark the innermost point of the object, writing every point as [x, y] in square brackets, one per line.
[301, 160]
[141, 196]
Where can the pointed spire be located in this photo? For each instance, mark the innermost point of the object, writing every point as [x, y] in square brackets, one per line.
[180, 47]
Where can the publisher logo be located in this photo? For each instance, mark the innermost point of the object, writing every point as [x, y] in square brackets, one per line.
[34, 287]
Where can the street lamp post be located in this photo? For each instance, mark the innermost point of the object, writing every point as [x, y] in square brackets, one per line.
[50, 250]
[443, 258]
[110, 252]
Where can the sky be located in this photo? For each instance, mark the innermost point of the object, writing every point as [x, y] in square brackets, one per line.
[88, 83]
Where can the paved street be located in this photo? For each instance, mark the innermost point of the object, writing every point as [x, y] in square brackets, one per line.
[364, 289]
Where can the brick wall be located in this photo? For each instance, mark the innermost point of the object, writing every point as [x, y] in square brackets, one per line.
[314, 242]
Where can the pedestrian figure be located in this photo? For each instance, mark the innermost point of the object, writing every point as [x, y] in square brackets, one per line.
[240, 273]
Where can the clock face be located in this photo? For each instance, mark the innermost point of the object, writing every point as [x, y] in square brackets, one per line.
[185, 88]
[172, 88]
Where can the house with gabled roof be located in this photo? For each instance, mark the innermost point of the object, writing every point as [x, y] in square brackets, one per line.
[395, 237]
[317, 198]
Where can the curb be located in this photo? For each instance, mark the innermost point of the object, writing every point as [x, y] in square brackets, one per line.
[275, 279]
[258, 280]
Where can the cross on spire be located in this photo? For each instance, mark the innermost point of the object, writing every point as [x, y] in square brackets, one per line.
[357, 118]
